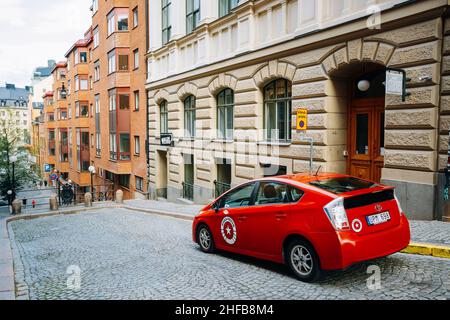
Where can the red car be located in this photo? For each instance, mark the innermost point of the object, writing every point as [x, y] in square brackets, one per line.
[310, 222]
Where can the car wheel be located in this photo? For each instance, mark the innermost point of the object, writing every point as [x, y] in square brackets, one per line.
[205, 239]
[303, 261]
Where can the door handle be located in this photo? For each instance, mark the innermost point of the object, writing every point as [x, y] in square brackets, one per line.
[280, 216]
[242, 218]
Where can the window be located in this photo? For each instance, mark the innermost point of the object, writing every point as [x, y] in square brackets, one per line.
[112, 146]
[76, 57]
[192, 15]
[274, 192]
[278, 110]
[94, 6]
[83, 57]
[137, 145]
[111, 62]
[96, 37]
[84, 83]
[189, 116]
[124, 146]
[139, 184]
[136, 100]
[84, 110]
[164, 117]
[122, 21]
[124, 101]
[135, 17]
[136, 58]
[241, 197]
[97, 70]
[124, 180]
[225, 6]
[225, 105]
[344, 184]
[123, 62]
[166, 23]
[77, 83]
[111, 17]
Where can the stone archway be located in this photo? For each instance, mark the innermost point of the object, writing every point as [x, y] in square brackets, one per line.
[362, 111]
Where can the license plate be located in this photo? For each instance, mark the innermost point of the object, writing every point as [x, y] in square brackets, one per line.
[378, 218]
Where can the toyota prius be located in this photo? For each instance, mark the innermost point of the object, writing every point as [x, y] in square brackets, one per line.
[309, 222]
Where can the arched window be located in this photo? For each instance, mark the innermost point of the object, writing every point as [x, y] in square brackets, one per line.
[278, 110]
[189, 116]
[225, 106]
[164, 117]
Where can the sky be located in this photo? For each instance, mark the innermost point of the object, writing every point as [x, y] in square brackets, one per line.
[34, 31]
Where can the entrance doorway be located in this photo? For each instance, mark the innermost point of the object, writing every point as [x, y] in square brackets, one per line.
[366, 125]
[162, 175]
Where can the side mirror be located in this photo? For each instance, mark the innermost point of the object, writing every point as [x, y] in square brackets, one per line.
[215, 207]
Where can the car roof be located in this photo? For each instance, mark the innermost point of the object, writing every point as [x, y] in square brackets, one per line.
[305, 177]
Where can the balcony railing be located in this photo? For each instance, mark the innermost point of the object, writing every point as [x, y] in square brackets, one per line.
[221, 188]
[188, 191]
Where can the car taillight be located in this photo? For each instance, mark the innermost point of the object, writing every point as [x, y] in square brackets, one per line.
[336, 213]
[398, 204]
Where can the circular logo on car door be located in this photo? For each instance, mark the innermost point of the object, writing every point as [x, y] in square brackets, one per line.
[357, 225]
[228, 229]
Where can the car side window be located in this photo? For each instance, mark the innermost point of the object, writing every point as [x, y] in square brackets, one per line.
[238, 198]
[272, 192]
[295, 194]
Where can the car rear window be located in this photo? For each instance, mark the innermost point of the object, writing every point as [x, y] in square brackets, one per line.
[342, 184]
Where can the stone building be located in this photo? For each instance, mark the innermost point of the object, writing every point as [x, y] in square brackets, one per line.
[227, 84]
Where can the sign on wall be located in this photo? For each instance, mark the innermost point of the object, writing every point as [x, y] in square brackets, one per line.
[302, 119]
[47, 168]
[166, 139]
[396, 82]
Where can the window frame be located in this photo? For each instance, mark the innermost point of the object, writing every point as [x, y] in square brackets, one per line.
[226, 106]
[164, 117]
[287, 101]
[192, 16]
[190, 113]
[166, 30]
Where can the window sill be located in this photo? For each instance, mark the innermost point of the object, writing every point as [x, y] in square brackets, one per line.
[187, 139]
[222, 140]
[275, 143]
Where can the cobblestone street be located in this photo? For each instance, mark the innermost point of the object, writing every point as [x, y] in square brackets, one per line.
[124, 254]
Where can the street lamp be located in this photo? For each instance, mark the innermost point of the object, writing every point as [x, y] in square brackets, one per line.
[92, 171]
[9, 193]
[13, 160]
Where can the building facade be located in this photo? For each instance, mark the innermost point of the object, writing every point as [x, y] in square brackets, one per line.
[100, 121]
[227, 77]
[14, 110]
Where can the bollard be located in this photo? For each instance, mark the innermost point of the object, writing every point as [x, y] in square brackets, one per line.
[53, 203]
[17, 207]
[119, 196]
[88, 199]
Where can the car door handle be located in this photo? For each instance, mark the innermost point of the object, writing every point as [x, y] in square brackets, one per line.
[280, 216]
[242, 218]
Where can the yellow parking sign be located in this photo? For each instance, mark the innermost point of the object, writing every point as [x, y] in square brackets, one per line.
[302, 119]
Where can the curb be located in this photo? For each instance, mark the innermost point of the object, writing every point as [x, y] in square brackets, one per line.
[428, 249]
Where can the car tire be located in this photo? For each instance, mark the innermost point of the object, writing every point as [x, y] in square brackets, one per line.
[205, 239]
[303, 261]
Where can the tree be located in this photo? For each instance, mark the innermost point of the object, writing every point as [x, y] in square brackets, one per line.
[12, 140]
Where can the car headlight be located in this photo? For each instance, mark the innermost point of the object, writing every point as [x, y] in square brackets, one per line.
[336, 213]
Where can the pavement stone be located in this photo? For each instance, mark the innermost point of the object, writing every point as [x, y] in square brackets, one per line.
[430, 232]
[123, 254]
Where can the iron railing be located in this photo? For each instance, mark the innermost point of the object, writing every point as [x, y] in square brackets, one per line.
[221, 188]
[188, 191]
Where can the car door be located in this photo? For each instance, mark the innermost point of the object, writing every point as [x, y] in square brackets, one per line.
[270, 215]
[230, 225]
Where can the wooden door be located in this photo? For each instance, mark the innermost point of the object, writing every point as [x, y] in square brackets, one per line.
[366, 145]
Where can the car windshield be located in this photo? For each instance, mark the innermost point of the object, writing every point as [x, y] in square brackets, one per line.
[343, 184]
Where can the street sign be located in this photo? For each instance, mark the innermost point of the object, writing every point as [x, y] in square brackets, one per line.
[166, 139]
[396, 83]
[53, 176]
[47, 168]
[302, 119]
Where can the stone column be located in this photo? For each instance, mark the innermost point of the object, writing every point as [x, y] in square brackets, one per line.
[119, 196]
[53, 203]
[88, 199]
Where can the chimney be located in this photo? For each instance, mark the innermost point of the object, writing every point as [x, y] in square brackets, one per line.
[10, 86]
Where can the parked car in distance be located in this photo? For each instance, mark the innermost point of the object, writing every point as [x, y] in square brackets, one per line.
[309, 222]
